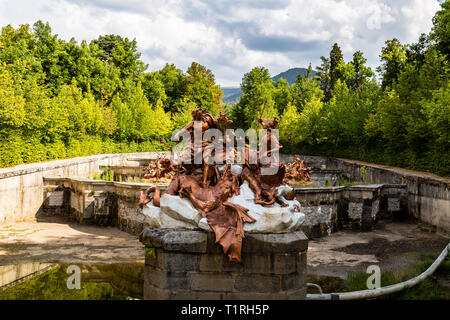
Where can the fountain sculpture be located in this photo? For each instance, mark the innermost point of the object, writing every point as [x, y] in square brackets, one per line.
[225, 198]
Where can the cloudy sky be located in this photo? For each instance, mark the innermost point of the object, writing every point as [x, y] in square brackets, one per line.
[231, 37]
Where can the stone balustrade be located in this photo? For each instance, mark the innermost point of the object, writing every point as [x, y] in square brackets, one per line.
[327, 209]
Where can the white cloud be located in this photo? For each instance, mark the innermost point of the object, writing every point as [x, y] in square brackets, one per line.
[232, 37]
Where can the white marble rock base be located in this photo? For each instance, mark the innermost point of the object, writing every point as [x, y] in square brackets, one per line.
[176, 212]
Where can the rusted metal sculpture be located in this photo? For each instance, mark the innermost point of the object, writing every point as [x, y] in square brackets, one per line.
[209, 186]
[298, 172]
[161, 170]
[264, 186]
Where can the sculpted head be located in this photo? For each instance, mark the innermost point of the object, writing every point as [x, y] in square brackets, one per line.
[269, 123]
[197, 114]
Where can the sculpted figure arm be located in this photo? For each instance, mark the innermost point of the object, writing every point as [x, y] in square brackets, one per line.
[144, 196]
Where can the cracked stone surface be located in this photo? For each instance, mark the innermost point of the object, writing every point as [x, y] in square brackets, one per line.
[60, 240]
[391, 245]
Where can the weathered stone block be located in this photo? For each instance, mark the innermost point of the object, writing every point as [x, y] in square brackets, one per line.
[257, 283]
[154, 293]
[218, 263]
[257, 263]
[56, 198]
[292, 282]
[275, 243]
[175, 240]
[164, 279]
[284, 263]
[211, 262]
[301, 262]
[172, 261]
[355, 210]
[152, 237]
[393, 204]
[185, 241]
[211, 282]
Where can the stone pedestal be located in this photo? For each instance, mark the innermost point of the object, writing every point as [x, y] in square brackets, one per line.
[188, 264]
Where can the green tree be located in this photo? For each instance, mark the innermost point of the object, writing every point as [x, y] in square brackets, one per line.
[305, 89]
[125, 120]
[323, 75]
[310, 123]
[12, 104]
[201, 88]
[172, 80]
[415, 52]
[257, 91]
[162, 124]
[336, 60]
[122, 53]
[288, 127]
[393, 57]
[282, 95]
[440, 33]
[362, 74]
[153, 87]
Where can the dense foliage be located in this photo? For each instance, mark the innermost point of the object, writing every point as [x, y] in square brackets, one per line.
[52, 285]
[63, 99]
[345, 112]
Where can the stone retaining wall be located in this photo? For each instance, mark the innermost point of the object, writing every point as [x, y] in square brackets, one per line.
[21, 196]
[357, 207]
[428, 195]
[21, 186]
[320, 177]
[327, 209]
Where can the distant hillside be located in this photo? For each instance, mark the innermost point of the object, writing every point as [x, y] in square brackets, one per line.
[232, 95]
[291, 74]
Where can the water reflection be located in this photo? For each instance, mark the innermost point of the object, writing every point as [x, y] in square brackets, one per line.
[47, 281]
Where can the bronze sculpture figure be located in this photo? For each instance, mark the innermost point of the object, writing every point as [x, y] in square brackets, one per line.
[209, 186]
[298, 172]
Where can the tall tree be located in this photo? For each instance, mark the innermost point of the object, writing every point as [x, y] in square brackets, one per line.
[323, 75]
[393, 57]
[362, 73]
[336, 59]
[282, 95]
[201, 88]
[330, 71]
[122, 53]
[415, 52]
[440, 33]
[305, 89]
[257, 90]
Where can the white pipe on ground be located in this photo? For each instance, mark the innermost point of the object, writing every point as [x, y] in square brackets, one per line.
[366, 294]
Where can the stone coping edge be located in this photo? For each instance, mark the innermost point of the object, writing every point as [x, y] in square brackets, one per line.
[22, 169]
[199, 241]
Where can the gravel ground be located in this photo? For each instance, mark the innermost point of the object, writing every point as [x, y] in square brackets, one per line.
[393, 246]
[59, 240]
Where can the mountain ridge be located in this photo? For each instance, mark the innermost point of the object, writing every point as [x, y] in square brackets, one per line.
[231, 95]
